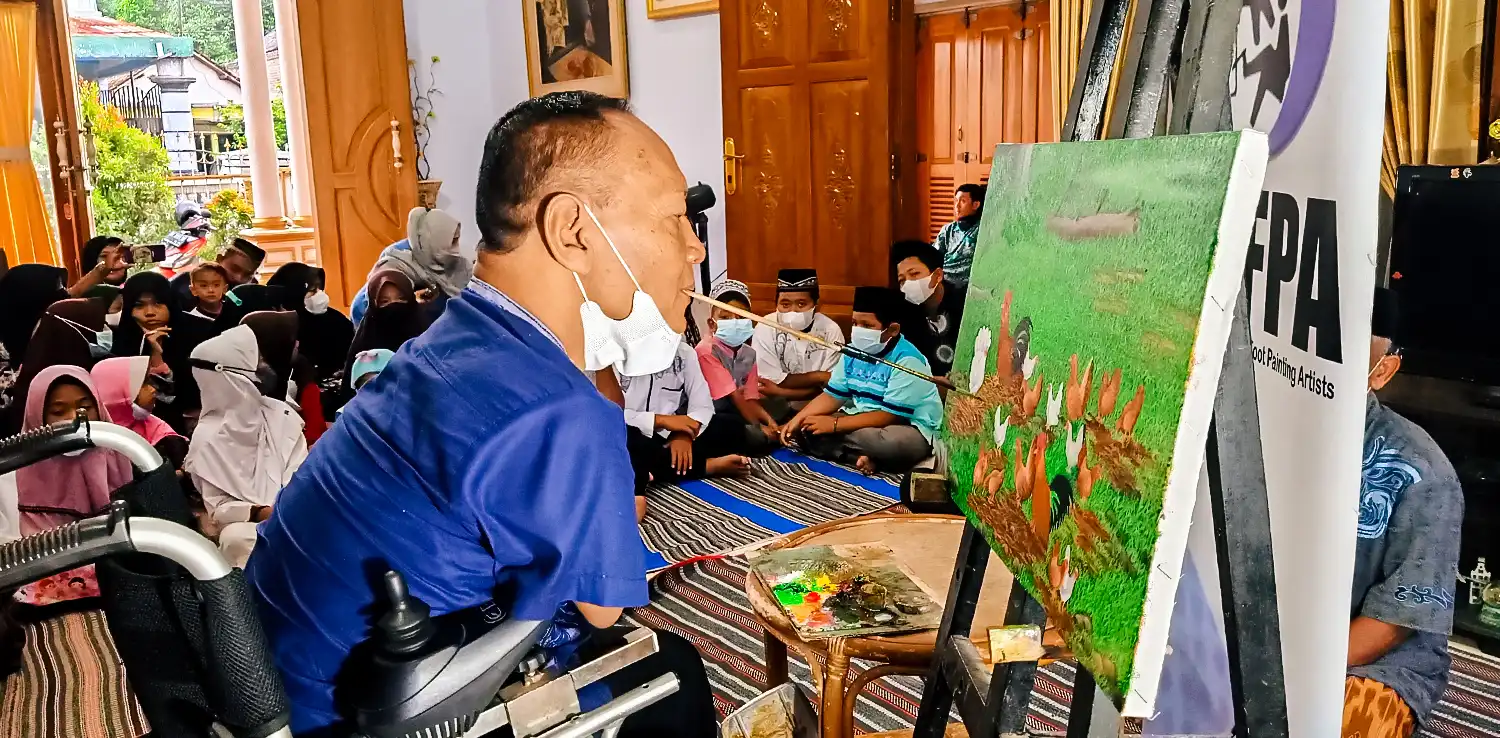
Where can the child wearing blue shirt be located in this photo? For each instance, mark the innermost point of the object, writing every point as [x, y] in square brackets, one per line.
[870, 415]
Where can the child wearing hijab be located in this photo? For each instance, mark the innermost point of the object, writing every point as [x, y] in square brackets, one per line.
[290, 376]
[246, 445]
[394, 317]
[63, 489]
[70, 332]
[323, 334]
[430, 257]
[128, 391]
[155, 326]
[26, 292]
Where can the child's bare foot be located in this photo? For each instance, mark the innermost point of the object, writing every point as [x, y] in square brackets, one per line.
[727, 466]
[865, 464]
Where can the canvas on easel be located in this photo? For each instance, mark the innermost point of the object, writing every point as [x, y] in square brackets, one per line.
[1099, 307]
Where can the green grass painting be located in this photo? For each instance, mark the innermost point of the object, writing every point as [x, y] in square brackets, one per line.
[1094, 265]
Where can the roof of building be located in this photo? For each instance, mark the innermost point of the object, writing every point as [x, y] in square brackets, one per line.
[105, 47]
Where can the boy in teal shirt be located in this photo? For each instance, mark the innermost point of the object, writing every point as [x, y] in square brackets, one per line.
[870, 415]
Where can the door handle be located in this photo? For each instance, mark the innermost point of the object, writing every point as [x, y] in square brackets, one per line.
[731, 168]
[396, 143]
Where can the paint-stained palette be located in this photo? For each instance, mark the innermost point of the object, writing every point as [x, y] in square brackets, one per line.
[843, 590]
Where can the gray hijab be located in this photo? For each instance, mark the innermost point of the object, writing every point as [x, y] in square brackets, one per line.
[434, 259]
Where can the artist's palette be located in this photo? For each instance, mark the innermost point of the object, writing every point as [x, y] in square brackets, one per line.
[855, 589]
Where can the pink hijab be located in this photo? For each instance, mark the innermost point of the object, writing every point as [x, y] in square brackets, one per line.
[119, 380]
[64, 489]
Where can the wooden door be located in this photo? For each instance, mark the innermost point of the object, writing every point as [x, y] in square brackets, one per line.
[359, 132]
[807, 93]
[59, 94]
[994, 65]
[942, 84]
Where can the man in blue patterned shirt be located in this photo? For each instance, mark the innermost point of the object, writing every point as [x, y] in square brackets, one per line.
[957, 240]
[1406, 561]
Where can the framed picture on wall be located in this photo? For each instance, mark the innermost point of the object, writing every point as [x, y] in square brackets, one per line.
[658, 9]
[576, 45]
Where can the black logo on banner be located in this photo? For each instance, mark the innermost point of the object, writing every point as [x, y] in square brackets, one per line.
[1302, 253]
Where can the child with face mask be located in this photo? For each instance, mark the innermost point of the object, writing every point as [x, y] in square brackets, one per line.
[323, 333]
[938, 305]
[793, 371]
[872, 416]
[246, 446]
[729, 366]
[128, 392]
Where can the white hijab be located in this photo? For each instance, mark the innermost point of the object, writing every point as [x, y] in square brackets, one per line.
[245, 444]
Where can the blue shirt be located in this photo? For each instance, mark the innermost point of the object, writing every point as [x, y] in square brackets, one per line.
[481, 464]
[1411, 508]
[866, 386]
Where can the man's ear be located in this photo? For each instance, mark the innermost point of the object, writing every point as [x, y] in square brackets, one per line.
[938, 272]
[1385, 369]
[560, 222]
[891, 331]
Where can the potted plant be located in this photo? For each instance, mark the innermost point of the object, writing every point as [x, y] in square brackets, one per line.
[423, 115]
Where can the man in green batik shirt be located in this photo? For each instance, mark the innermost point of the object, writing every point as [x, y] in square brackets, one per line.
[957, 240]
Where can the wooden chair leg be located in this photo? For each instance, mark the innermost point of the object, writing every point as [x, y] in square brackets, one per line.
[776, 661]
[851, 695]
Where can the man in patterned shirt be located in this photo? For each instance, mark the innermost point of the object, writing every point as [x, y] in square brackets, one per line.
[957, 240]
[1406, 561]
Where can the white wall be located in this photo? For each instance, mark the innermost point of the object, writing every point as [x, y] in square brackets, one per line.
[674, 87]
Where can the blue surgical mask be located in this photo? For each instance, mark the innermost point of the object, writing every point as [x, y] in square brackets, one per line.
[734, 331]
[138, 412]
[867, 340]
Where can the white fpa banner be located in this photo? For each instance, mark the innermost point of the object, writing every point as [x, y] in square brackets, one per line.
[1311, 75]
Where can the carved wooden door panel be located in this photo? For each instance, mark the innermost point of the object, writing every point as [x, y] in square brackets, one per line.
[359, 130]
[807, 104]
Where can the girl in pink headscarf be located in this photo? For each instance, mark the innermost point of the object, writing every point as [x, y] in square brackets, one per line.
[128, 394]
[62, 489]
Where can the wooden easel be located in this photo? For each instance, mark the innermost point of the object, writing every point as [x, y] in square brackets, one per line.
[1191, 42]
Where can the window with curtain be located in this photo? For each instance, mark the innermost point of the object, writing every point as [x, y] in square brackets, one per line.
[26, 231]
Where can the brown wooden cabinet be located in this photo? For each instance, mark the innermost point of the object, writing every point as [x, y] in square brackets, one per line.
[812, 118]
[983, 79]
[359, 130]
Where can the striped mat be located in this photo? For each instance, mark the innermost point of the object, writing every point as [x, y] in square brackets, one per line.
[705, 602]
[71, 684]
[785, 492]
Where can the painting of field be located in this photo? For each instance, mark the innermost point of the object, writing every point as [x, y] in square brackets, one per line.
[1097, 316]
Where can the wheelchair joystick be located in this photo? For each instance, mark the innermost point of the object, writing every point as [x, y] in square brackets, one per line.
[407, 627]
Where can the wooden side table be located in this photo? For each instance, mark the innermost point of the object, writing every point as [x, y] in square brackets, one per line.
[928, 546]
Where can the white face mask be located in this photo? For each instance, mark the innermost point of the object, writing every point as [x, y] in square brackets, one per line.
[639, 345]
[918, 290]
[112, 319]
[138, 412]
[796, 321]
[867, 340]
[316, 303]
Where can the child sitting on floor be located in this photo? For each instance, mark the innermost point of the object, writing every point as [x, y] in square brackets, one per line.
[728, 363]
[671, 436]
[870, 415]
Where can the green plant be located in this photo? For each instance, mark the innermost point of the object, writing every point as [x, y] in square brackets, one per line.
[130, 196]
[232, 120]
[230, 213]
[423, 114]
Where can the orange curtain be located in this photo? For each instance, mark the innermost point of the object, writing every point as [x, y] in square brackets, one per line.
[25, 232]
[1432, 84]
[1069, 22]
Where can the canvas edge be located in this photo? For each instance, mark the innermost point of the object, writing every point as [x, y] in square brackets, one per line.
[1225, 279]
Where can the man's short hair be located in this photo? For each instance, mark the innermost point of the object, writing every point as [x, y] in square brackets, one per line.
[560, 131]
[919, 250]
[883, 302]
[976, 193]
[256, 253]
[209, 267]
